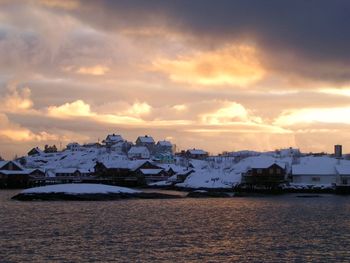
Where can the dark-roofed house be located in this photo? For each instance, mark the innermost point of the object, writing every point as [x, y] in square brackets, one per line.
[35, 151]
[13, 175]
[117, 172]
[148, 172]
[196, 154]
[265, 174]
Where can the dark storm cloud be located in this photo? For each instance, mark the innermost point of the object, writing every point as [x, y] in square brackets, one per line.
[316, 32]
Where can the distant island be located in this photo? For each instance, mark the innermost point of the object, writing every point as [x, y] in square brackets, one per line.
[145, 163]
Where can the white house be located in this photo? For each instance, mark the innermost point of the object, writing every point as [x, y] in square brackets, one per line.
[315, 171]
[343, 175]
[164, 147]
[138, 152]
[73, 146]
[113, 139]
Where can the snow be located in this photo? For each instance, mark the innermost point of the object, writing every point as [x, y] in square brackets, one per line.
[80, 189]
[343, 169]
[146, 139]
[165, 143]
[114, 138]
[151, 171]
[138, 150]
[197, 152]
[311, 165]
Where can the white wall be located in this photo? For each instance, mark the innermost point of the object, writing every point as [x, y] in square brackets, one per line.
[308, 179]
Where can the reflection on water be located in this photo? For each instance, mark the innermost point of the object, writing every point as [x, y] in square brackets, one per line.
[269, 229]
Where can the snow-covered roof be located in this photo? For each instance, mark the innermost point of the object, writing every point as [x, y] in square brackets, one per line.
[165, 143]
[37, 149]
[66, 170]
[3, 163]
[197, 152]
[150, 171]
[323, 165]
[117, 164]
[10, 172]
[263, 163]
[343, 169]
[146, 139]
[138, 150]
[135, 164]
[114, 138]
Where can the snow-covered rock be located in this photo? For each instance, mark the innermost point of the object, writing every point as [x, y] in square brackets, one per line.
[79, 189]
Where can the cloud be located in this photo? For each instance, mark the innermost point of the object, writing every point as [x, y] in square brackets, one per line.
[314, 115]
[233, 65]
[66, 4]
[15, 132]
[75, 109]
[17, 100]
[97, 70]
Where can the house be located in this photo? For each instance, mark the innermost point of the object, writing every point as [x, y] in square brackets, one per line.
[342, 181]
[35, 151]
[146, 141]
[118, 172]
[139, 152]
[13, 175]
[36, 173]
[196, 154]
[113, 139]
[164, 147]
[121, 147]
[95, 145]
[164, 158]
[148, 172]
[264, 173]
[73, 146]
[312, 170]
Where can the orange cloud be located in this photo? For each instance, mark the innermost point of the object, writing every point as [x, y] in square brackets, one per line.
[75, 109]
[232, 65]
[97, 70]
[314, 115]
[17, 100]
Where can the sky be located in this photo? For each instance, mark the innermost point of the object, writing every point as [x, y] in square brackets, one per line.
[218, 75]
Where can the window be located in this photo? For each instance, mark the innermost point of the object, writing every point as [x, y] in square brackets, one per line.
[278, 171]
[315, 179]
[345, 181]
[271, 171]
[259, 171]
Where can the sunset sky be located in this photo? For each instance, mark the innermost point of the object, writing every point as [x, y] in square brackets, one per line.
[218, 75]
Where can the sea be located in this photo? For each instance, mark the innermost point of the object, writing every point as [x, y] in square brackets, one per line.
[285, 228]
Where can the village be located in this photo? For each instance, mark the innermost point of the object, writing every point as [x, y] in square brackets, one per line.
[146, 163]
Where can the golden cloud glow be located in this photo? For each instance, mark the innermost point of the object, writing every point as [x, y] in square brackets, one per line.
[139, 109]
[97, 70]
[17, 100]
[180, 107]
[233, 65]
[75, 109]
[314, 115]
[333, 91]
[230, 112]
